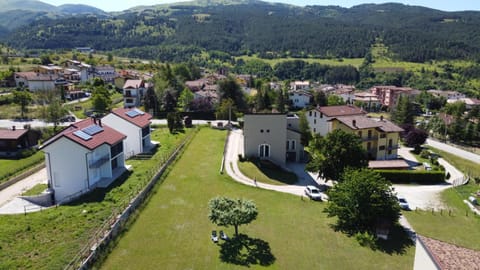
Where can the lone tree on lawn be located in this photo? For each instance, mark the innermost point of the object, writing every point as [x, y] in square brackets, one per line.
[332, 154]
[360, 200]
[225, 211]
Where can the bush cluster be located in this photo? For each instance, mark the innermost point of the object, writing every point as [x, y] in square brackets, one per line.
[420, 177]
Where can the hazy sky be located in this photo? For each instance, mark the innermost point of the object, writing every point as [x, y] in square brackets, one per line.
[118, 5]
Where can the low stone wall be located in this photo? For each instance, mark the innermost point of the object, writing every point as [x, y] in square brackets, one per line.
[22, 176]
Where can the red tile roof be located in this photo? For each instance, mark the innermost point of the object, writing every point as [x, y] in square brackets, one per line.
[140, 120]
[388, 164]
[341, 110]
[9, 134]
[358, 122]
[133, 84]
[108, 135]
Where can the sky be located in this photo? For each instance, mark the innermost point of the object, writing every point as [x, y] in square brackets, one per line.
[119, 5]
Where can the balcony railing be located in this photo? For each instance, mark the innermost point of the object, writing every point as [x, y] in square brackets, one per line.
[97, 163]
[371, 138]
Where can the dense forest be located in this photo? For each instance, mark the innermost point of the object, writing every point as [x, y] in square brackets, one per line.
[177, 32]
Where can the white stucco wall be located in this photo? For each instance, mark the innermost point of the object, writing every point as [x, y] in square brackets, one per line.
[66, 167]
[318, 122]
[269, 129]
[133, 143]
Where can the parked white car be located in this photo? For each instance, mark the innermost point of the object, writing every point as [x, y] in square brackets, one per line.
[403, 203]
[313, 193]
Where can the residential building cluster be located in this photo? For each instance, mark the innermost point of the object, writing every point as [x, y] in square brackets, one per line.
[277, 137]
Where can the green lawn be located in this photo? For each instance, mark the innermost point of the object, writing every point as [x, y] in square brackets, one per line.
[51, 238]
[458, 228]
[12, 167]
[35, 190]
[173, 231]
[274, 176]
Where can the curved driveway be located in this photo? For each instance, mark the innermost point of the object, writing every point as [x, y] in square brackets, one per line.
[235, 147]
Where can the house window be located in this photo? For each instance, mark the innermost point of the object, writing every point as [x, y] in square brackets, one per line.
[321, 115]
[390, 143]
[290, 145]
[369, 146]
[114, 164]
[314, 130]
[145, 131]
[116, 149]
[360, 134]
[128, 100]
[314, 121]
[381, 148]
[383, 135]
[315, 114]
[389, 152]
[264, 151]
[369, 134]
[310, 113]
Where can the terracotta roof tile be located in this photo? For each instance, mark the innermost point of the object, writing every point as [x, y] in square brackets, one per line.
[140, 120]
[341, 110]
[133, 84]
[108, 135]
[9, 134]
[386, 164]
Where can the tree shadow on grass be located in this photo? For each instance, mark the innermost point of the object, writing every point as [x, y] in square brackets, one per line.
[397, 243]
[244, 250]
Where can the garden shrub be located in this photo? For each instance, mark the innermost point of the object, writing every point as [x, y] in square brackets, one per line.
[417, 176]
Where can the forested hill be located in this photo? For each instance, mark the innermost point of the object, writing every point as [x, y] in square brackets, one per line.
[412, 33]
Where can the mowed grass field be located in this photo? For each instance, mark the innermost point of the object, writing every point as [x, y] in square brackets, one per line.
[173, 230]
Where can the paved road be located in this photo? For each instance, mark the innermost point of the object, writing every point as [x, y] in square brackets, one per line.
[454, 150]
[10, 204]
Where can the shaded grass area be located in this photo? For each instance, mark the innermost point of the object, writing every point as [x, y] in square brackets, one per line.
[35, 190]
[457, 225]
[266, 173]
[173, 230]
[12, 167]
[51, 238]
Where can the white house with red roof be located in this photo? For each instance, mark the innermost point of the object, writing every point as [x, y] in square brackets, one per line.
[319, 118]
[83, 156]
[133, 91]
[136, 125]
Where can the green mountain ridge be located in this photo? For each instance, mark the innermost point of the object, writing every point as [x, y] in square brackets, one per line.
[237, 27]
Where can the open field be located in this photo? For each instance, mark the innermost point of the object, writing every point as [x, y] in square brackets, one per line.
[173, 231]
[51, 238]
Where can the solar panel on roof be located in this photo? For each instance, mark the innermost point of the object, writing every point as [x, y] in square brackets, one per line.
[132, 113]
[139, 111]
[92, 130]
[82, 135]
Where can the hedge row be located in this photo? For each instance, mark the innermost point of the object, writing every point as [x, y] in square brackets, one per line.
[419, 177]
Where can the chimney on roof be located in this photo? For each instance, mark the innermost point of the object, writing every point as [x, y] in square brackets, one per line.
[381, 117]
[100, 121]
[13, 128]
[354, 123]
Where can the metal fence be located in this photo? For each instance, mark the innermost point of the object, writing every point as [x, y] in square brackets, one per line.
[114, 225]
